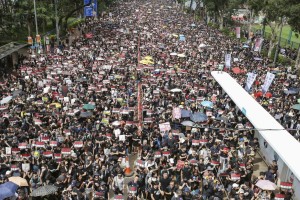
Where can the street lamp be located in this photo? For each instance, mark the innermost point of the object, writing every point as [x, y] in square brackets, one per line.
[36, 24]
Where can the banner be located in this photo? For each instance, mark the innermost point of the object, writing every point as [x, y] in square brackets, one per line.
[268, 81]
[238, 32]
[258, 44]
[250, 80]
[165, 127]
[228, 60]
[176, 113]
[92, 9]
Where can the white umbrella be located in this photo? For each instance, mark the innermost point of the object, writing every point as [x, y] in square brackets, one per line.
[173, 54]
[116, 123]
[202, 45]
[176, 90]
[181, 55]
[266, 185]
[99, 58]
[187, 123]
[6, 100]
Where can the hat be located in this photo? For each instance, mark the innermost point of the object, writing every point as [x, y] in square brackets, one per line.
[235, 185]
[7, 173]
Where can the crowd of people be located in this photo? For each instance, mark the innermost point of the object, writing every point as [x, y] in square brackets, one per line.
[69, 118]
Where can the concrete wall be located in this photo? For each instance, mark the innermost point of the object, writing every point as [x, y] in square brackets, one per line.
[284, 173]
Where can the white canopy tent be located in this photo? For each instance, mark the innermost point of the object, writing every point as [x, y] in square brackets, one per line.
[282, 142]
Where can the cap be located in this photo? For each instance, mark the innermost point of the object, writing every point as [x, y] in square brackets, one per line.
[235, 185]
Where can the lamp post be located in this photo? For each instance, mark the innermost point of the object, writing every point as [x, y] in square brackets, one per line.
[36, 25]
[278, 43]
[56, 23]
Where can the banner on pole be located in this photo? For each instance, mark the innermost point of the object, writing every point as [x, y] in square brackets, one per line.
[258, 44]
[238, 32]
[92, 9]
[250, 80]
[268, 81]
[228, 60]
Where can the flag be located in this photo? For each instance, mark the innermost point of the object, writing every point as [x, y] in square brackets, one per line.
[286, 185]
[195, 142]
[45, 139]
[57, 155]
[203, 141]
[37, 121]
[166, 153]
[118, 197]
[250, 80]
[157, 154]
[39, 144]
[258, 44]
[53, 143]
[268, 81]
[140, 163]
[14, 167]
[78, 144]
[26, 155]
[66, 151]
[15, 150]
[148, 120]
[228, 60]
[47, 154]
[22, 145]
[238, 32]
[235, 177]
[132, 190]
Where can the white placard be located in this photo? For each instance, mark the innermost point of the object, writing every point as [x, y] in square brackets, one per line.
[268, 81]
[122, 137]
[25, 167]
[8, 150]
[228, 60]
[250, 80]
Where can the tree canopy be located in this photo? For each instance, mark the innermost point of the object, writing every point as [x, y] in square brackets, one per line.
[17, 16]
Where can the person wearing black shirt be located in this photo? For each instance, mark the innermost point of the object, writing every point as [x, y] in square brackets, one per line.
[133, 184]
[156, 192]
[169, 192]
[165, 181]
[186, 172]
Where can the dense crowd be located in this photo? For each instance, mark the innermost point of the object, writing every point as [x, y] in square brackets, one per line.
[69, 117]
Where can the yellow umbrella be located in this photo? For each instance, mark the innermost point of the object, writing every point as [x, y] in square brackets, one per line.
[57, 105]
[148, 58]
[18, 180]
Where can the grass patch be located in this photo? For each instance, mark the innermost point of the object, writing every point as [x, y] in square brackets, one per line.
[295, 41]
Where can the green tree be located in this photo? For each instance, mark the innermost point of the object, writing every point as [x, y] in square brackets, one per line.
[292, 11]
